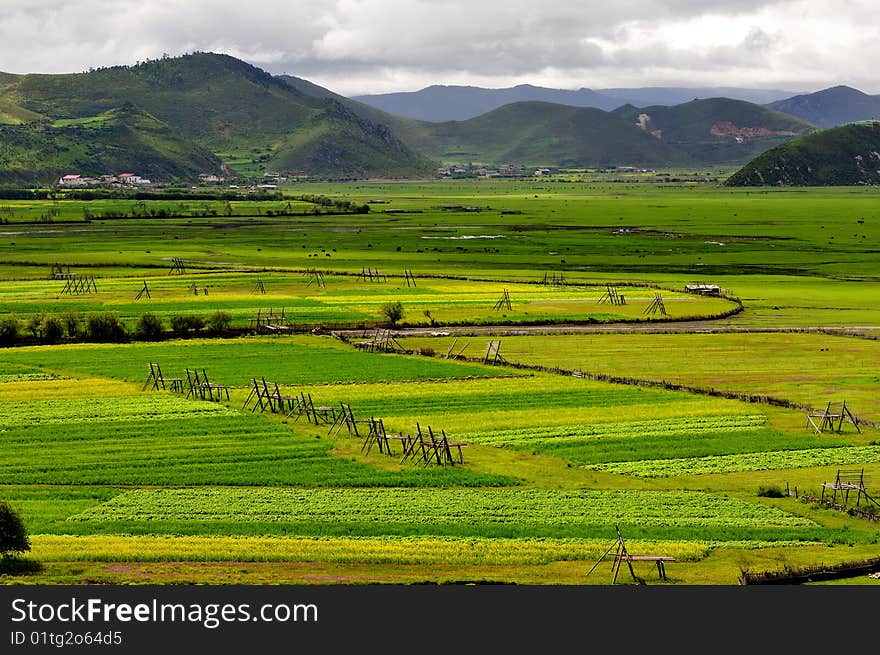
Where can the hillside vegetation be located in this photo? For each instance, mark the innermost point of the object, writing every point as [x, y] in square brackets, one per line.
[225, 105]
[117, 140]
[542, 133]
[717, 129]
[847, 155]
[255, 122]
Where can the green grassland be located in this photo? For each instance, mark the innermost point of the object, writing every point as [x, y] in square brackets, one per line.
[794, 257]
[119, 484]
[294, 360]
[347, 300]
[91, 438]
[808, 369]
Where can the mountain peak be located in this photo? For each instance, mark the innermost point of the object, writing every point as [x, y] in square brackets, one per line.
[843, 90]
[830, 107]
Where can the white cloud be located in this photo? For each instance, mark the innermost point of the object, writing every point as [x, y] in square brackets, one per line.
[356, 46]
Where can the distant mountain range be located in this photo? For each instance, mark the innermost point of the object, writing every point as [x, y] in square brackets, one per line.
[840, 156]
[831, 107]
[173, 118]
[457, 103]
[718, 130]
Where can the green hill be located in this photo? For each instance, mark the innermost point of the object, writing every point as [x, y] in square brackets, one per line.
[703, 131]
[119, 140]
[847, 155]
[543, 134]
[11, 114]
[832, 107]
[236, 110]
[716, 130]
[409, 131]
[531, 133]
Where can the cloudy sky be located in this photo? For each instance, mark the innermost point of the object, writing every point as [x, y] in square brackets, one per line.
[376, 46]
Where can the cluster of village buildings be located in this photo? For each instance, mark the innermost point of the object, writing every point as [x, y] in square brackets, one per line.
[269, 181]
[104, 180]
[515, 170]
[505, 170]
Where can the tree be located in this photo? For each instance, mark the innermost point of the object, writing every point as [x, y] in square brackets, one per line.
[10, 326]
[219, 321]
[393, 311]
[149, 326]
[105, 326]
[73, 323]
[184, 323]
[13, 535]
[35, 325]
[53, 329]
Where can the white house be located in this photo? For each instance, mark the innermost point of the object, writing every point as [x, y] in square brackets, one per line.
[72, 180]
[131, 178]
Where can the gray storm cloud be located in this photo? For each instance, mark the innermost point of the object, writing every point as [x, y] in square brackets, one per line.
[379, 45]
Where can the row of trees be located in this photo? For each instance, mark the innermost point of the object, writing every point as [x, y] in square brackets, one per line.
[104, 326]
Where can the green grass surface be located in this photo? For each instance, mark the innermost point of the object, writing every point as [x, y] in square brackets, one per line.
[438, 512]
[809, 369]
[84, 432]
[297, 360]
[795, 257]
[576, 457]
[346, 300]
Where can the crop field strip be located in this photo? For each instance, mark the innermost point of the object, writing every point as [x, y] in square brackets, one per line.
[396, 550]
[103, 435]
[848, 456]
[344, 299]
[296, 360]
[809, 369]
[586, 422]
[439, 510]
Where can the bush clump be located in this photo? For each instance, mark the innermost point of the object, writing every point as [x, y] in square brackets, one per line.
[10, 327]
[183, 324]
[393, 311]
[149, 326]
[72, 323]
[219, 321]
[35, 325]
[53, 329]
[771, 492]
[105, 326]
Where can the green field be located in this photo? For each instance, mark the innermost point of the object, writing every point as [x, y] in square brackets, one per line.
[121, 484]
[795, 257]
[347, 301]
[808, 369]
